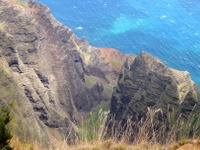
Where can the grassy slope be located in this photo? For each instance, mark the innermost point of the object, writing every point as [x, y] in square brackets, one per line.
[91, 134]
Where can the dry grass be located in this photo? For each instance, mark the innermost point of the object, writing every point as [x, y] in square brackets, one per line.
[192, 144]
[113, 145]
[18, 145]
[92, 137]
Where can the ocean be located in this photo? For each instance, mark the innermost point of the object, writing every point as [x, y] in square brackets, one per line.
[168, 29]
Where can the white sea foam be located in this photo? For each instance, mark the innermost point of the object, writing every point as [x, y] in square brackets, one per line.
[163, 16]
[172, 21]
[79, 28]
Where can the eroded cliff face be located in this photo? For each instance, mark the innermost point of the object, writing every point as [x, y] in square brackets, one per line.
[42, 69]
[161, 101]
[49, 73]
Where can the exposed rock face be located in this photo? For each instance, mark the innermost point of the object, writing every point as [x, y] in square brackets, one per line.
[149, 91]
[49, 73]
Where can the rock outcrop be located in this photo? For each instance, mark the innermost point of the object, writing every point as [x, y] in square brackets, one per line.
[48, 72]
[149, 95]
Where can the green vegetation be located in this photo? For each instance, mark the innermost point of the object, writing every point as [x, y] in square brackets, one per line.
[23, 3]
[92, 132]
[92, 129]
[89, 80]
[103, 108]
[5, 135]
[116, 63]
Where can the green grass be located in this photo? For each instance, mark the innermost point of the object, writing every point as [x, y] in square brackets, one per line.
[89, 80]
[103, 107]
[92, 127]
[116, 63]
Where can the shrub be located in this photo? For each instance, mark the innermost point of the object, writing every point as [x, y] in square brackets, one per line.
[5, 134]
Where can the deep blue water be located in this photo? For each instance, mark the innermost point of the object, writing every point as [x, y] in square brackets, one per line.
[168, 29]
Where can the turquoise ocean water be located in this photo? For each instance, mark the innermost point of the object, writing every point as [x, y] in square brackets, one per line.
[168, 29]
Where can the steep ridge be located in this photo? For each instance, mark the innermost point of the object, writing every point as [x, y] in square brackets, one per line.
[151, 95]
[48, 72]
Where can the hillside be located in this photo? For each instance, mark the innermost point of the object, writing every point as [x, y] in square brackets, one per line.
[52, 76]
[54, 80]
